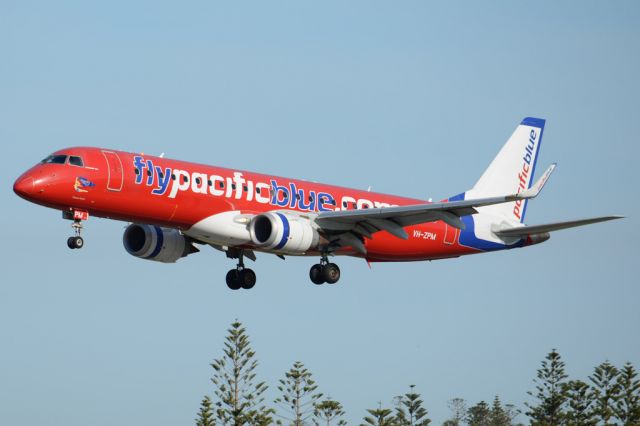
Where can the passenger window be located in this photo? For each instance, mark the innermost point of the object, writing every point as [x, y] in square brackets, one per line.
[76, 161]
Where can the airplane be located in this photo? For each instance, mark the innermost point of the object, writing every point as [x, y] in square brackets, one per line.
[174, 206]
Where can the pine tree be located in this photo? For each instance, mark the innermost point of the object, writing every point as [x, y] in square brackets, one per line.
[498, 415]
[550, 384]
[409, 410]
[628, 406]
[579, 404]
[328, 411]
[606, 391]
[239, 398]
[299, 395]
[205, 415]
[479, 414]
[379, 417]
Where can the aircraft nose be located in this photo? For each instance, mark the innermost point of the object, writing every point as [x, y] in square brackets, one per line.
[24, 186]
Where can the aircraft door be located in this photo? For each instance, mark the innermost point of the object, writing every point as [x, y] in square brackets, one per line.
[450, 234]
[115, 178]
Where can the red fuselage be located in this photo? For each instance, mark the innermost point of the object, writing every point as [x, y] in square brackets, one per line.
[176, 194]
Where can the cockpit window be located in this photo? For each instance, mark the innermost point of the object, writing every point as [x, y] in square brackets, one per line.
[76, 161]
[55, 159]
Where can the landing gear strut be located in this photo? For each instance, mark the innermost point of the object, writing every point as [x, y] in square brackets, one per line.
[241, 277]
[76, 242]
[324, 272]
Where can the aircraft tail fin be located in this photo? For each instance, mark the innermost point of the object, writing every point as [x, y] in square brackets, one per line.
[512, 170]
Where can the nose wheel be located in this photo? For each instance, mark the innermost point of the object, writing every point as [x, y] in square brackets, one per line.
[241, 277]
[324, 272]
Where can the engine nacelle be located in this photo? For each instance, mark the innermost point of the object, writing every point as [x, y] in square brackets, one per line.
[283, 233]
[154, 243]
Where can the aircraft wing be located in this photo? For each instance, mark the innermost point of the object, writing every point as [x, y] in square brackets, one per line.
[523, 231]
[351, 225]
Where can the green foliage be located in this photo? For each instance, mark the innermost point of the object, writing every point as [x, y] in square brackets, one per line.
[610, 396]
[328, 411]
[379, 417]
[496, 415]
[479, 414]
[239, 398]
[606, 390]
[205, 415]
[628, 405]
[579, 404]
[409, 410]
[299, 395]
[502, 416]
[550, 385]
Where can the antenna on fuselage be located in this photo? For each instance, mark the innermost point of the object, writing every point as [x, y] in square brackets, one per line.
[162, 155]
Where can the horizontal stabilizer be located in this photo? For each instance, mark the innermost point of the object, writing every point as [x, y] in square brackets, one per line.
[523, 231]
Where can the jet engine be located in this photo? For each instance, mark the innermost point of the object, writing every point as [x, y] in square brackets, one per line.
[154, 243]
[283, 233]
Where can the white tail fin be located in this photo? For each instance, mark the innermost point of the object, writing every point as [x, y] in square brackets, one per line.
[511, 171]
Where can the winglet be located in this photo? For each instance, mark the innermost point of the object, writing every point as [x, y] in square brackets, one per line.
[537, 187]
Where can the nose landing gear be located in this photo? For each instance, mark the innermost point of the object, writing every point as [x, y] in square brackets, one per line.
[324, 272]
[76, 242]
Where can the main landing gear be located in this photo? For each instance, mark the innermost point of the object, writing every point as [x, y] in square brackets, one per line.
[76, 242]
[241, 277]
[324, 272]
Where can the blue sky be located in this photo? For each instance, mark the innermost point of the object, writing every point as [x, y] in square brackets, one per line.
[413, 98]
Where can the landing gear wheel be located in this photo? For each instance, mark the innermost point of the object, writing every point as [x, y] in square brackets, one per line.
[331, 273]
[78, 242]
[247, 278]
[75, 242]
[232, 279]
[316, 274]
[240, 277]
